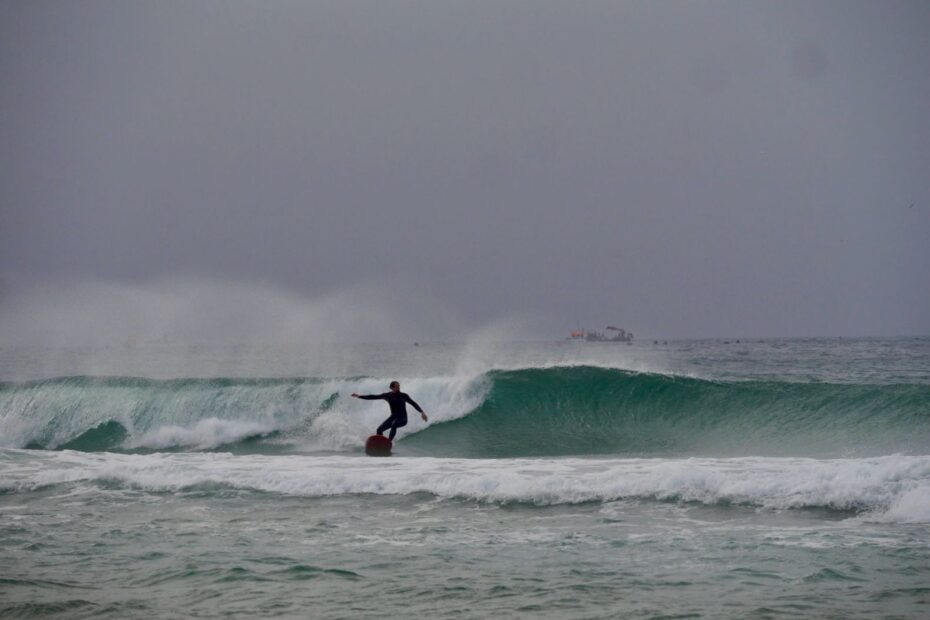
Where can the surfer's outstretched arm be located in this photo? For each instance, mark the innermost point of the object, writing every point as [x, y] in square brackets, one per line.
[370, 396]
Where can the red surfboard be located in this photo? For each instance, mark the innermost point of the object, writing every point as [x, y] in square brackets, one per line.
[378, 445]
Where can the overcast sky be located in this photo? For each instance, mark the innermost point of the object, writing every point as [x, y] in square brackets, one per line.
[678, 168]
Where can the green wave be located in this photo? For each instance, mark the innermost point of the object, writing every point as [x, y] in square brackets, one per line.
[530, 412]
[106, 413]
[105, 436]
[597, 411]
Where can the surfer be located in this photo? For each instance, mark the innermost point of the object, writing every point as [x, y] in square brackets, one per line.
[397, 400]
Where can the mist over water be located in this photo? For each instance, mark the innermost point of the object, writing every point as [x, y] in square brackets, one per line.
[81, 313]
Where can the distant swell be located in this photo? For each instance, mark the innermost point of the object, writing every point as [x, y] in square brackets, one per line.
[555, 411]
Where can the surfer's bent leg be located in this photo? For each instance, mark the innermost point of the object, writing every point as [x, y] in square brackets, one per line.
[386, 425]
[398, 422]
[392, 423]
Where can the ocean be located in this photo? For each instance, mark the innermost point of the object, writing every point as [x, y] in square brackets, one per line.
[751, 478]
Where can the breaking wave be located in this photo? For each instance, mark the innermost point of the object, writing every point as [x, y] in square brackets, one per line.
[889, 488]
[557, 411]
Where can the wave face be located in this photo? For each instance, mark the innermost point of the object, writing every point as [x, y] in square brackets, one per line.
[555, 411]
[587, 410]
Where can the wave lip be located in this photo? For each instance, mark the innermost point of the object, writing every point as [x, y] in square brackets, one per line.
[890, 488]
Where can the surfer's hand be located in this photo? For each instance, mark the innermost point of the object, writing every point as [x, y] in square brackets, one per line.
[354, 395]
[423, 415]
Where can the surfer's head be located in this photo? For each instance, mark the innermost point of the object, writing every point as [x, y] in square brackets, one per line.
[395, 386]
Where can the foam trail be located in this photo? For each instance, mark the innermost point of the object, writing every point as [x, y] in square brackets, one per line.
[911, 506]
[892, 488]
[206, 434]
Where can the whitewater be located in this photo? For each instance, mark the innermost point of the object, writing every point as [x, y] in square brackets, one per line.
[712, 478]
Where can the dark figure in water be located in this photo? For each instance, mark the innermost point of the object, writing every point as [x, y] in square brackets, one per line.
[397, 400]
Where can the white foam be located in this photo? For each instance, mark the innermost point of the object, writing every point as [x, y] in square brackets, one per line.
[206, 434]
[891, 488]
[348, 421]
[911, 506]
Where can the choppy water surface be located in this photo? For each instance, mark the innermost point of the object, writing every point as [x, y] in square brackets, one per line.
[702, 479]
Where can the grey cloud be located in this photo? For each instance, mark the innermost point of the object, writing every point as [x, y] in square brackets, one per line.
[685, 169]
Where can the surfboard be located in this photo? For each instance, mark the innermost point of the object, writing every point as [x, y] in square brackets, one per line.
[378, 445]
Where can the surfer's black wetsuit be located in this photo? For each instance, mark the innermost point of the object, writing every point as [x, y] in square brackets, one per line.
[398, 417]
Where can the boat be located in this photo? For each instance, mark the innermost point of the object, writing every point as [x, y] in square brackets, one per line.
[583, 335]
